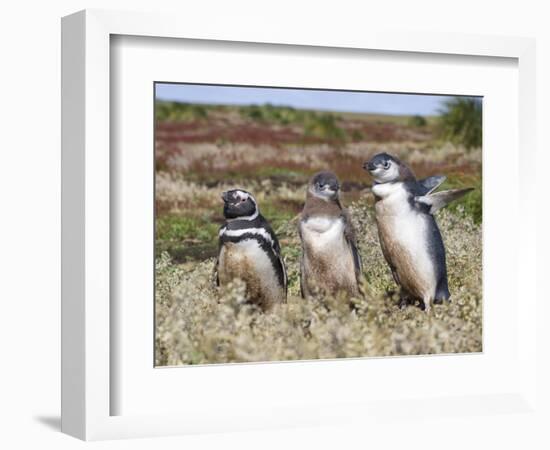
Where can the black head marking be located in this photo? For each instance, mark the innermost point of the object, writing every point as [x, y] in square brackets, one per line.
[239, 204]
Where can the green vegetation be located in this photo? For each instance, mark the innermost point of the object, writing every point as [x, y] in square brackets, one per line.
[324, 126]
[184, 227]
[417, 121]
[280, 212]
[280, 172]
[461, 122]
[314, 124]
[472, 204]
[175, 111]
[357, 135]
[185, 237]
[283, 115]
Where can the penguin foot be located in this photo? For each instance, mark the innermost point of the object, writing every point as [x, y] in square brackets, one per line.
[440, 301]
[403, 302]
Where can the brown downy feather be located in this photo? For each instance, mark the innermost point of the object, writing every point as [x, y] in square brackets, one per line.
[315, 206]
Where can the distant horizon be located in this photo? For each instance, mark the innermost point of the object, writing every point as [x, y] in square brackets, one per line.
[354, 102]
[293, 107]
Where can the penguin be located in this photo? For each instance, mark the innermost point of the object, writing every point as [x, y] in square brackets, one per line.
[409, 236]
[249, 250]
[330, 262]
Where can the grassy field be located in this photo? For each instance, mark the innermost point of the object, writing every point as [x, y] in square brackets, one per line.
[271, 152]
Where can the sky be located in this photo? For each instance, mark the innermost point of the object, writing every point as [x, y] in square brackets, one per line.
[344, 101]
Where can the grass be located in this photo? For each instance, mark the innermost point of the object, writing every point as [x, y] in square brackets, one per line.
[199, 325]
[321, 125]
[417, 121]
[280, 115]
[185, 237]
[174, 111]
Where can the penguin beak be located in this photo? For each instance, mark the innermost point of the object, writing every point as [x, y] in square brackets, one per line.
[225, 197]
[333, 187]
[327, 187]
[369, 166]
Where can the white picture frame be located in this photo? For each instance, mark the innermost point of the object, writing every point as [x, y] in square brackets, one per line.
[87, 325]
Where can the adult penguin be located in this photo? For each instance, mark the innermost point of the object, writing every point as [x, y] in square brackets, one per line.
[250, 251]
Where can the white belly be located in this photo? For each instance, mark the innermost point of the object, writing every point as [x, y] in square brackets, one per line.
[409, 230]
[324, 235]
[405, 234]
[327, 258]
[247, 261]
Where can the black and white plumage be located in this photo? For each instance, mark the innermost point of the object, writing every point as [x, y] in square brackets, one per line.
[330, 262]
[409, 236]
[250, 251]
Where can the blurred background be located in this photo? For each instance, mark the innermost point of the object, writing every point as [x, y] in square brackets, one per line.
[269, 141]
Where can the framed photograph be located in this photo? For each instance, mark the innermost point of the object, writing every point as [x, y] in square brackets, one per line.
[273, 226]
[259, 227]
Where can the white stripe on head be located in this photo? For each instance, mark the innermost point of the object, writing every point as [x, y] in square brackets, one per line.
[242, 195]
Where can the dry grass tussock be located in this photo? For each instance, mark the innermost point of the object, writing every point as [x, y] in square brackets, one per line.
[221, 156]
[182, 196]
[197, 324]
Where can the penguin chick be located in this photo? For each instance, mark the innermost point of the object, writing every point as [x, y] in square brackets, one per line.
[250, 251]
[409, 236]
[330, 261]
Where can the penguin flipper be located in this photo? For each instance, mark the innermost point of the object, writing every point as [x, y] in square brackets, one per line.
[441, 199]
[303, 288]
[285, 276]
[276, 249]
[349, 233]
[215, 276]
[356, 260]
[430, 184]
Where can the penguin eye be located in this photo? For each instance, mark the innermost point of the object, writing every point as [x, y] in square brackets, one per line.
[387, 165]
[243, 200]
